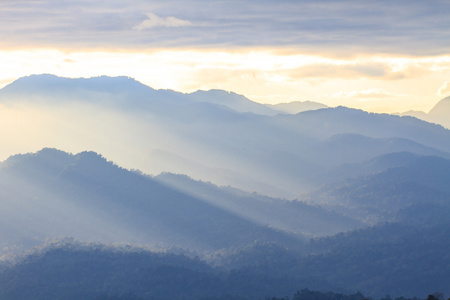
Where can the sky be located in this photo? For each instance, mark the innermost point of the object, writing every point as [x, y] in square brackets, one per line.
[381, 56]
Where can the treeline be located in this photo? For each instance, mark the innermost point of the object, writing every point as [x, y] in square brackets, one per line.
[304, 294]
[390, 259]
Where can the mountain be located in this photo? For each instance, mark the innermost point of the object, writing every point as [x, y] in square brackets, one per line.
[393, 192]
[370, 191]
[292, 216]
[70, 270]
[159, 131]
[52, 194]
[296, 107]
[121, 92]
[369, 167]
[233, 101]
[390, 259]
[440, 113]
[415, 113]
[325, 123]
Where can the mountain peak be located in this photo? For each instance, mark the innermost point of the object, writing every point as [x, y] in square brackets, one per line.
[440, 113]
[50, 158]
[441, 108]
[47, 83]
[231, 100]
[296, 107]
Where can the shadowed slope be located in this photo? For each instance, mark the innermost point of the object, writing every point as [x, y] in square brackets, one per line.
[52, 193]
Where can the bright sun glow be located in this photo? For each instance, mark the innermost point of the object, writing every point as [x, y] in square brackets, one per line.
[374, 83]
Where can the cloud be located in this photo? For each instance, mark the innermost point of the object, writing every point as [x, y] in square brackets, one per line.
[156, 21]
[379, 69]
[374, 93]
[332, 70]
[444, 89]
[339, 26]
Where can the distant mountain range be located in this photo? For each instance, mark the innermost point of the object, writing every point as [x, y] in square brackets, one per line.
[416, 190]
[296, 107]
[51, 194]
[209, 135]
[439, 114]
[391, 259]
[240, 200]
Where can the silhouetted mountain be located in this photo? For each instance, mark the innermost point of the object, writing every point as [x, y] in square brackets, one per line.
[296, 107]
[51, 194]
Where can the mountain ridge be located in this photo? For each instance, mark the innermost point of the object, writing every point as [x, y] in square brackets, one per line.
[89, 198]
[166, 131]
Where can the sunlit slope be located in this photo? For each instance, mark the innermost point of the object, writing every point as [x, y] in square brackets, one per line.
[53, 194]
[293, 216]
[165, 131]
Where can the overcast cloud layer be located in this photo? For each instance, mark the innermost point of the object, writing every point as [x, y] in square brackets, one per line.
[404, 27]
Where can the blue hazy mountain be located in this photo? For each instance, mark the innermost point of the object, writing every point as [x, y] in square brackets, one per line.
[324, 123]
[415, 191]
[70, 270]
[390, 259]
[293, 216]
[52, 194]
[233, 101]
[440, 113]
[200, 135]
[296, 107]
[354, 169]
[369, 167]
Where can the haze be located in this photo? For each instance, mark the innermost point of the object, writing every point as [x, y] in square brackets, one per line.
[208, 149]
